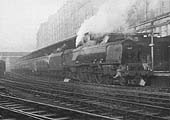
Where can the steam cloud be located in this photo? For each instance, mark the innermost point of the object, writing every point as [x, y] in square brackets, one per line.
[111, 17]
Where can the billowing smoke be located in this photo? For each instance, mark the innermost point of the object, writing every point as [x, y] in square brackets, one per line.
[111, 17]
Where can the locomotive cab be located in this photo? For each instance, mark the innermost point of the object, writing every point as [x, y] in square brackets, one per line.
[113, 60]
[131, 60]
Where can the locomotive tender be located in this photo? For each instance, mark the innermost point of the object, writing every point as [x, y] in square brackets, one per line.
[112, 59]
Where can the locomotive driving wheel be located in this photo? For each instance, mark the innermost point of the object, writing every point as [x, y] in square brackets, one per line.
[103, 79]
[100, 79]
[87, 77]
[107, 80]
[82, 77]
[94, 78]
[122, 81]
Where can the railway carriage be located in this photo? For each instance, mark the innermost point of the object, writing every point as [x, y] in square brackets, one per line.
[40, 65]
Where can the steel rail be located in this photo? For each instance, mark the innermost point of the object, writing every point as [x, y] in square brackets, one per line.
[44, 111]
[141, 107]
[116, 95]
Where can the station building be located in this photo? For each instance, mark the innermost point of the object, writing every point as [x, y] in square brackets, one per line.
[66, 22]
[148, 17]
[145, 15]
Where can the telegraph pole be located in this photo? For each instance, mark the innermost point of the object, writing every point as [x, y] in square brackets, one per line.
[152, 50]
[152, 46]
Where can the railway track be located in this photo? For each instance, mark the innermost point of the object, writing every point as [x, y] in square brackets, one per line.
[117, 92]
[162, 101]
[112, 107]
[10, 114]
[53, 81]
[22, 109]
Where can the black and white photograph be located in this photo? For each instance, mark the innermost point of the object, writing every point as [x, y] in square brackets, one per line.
[84, 59]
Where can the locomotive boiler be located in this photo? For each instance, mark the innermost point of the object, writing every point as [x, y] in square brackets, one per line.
[112, 59]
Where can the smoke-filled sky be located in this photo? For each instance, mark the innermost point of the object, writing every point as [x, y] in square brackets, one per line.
[109, 18]
[20, 20]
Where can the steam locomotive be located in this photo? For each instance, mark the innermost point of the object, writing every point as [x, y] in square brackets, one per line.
[111, 59]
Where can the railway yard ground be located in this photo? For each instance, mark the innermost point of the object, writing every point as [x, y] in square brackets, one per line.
[30, 97]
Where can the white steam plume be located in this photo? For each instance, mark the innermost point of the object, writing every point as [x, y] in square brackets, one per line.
[110, 18]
